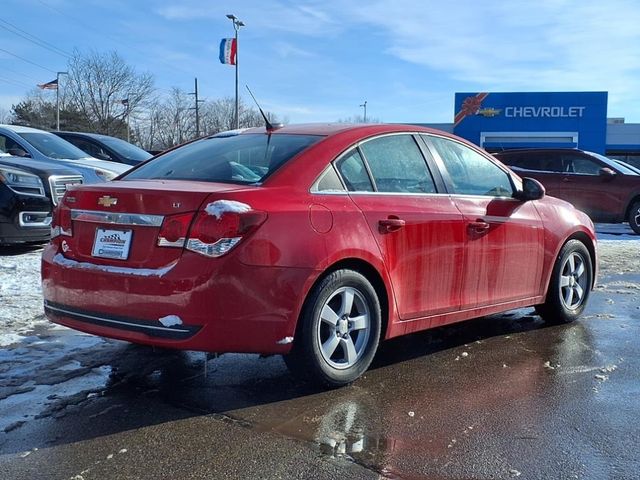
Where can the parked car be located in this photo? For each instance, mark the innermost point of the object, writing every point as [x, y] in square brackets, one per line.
[608, 191]
[105, 147]
[352, 235]
[28, 142]
[28, 192]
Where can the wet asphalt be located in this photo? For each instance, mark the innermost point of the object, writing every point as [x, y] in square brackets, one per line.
[500, 397]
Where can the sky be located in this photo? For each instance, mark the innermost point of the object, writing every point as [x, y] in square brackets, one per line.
[318, 61]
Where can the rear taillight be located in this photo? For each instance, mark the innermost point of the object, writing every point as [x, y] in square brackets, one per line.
[173, 232]
[61, 224]
[214, 236]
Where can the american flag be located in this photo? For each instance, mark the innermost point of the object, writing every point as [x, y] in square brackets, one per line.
[52, 85]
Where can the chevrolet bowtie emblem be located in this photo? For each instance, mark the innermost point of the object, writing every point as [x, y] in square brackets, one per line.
[107, 201]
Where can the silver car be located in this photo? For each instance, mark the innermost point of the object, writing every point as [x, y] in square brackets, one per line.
[29, 142]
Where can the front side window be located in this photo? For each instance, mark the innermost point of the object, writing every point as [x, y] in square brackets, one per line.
[246, 158]
[470, 172]
[581, 165]
[397, 165]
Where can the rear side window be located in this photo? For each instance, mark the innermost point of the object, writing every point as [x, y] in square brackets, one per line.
[544, 162]
[397, 165]
[248, 158]
[354, 173]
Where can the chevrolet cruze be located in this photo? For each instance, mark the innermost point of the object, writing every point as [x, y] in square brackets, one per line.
[312, 241]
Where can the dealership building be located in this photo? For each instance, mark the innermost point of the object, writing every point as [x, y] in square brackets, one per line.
[499, 121]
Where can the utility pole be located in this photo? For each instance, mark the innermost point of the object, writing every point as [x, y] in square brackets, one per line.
[58, 99]
[197, 108]
[365, 111]
[237, 23]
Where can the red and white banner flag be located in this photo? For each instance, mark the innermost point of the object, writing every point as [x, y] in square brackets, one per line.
[228, 50]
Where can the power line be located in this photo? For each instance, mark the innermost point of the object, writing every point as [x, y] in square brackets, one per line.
[7, 69]
[10, 27]
[14, 82]
[26, 60]
[103, 34]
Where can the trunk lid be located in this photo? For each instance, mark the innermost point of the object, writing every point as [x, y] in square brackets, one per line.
[117, 223]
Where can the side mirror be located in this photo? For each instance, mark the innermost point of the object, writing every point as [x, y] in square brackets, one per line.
[607, 173]
[18, 152]
[531, 190]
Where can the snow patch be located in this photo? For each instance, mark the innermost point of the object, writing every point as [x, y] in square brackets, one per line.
[60, 259]
[170, 320]
[220, 207]
[285, 341]
[7, 339]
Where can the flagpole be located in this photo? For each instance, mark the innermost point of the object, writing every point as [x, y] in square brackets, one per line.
[58, 99]
[237, 23]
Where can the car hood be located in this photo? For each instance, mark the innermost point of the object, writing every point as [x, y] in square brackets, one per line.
[36, 166]
[102, 164]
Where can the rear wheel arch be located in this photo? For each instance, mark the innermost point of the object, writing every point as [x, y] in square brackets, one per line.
[633, 204]
[370, 273]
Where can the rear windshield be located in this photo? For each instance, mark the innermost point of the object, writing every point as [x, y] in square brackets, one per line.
[247, 158]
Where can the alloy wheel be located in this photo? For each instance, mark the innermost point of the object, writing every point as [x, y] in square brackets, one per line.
[344, 327]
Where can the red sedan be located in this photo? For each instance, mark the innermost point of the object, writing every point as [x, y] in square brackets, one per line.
[312, 241]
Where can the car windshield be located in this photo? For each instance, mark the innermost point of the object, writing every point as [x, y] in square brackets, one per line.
[53, 146]
[247, 158]
[127, 150]
[613, 164]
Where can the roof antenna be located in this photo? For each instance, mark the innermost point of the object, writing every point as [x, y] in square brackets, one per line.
[268, 124]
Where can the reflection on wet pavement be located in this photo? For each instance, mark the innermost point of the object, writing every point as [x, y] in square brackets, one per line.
[498, 397]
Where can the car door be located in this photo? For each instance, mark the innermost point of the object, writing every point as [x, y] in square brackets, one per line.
[590, 191]
[504, 238]
[418, 228]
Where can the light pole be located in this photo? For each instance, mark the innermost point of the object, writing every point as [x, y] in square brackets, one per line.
[58, 99]
[365, 111]
[237, 23]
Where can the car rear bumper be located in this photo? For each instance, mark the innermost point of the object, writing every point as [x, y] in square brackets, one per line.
[222, 304]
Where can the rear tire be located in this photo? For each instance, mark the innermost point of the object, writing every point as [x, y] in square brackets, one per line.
[570, 284]
[339, 331]
[634, 217]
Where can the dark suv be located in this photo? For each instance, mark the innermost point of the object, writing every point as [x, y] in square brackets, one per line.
[606, 190]
[29, 189]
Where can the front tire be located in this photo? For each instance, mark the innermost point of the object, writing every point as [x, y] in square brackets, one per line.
[634, 217]
[339, 331]
[570, 284]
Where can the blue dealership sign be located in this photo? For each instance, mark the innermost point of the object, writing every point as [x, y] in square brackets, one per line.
[534, 119]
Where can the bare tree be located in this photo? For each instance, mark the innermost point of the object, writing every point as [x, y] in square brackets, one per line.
[219, 115]
[100, 83]
[5, 116]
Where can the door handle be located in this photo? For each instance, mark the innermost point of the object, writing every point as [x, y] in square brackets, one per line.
[479, 226]
[391, 224]
[566, 179]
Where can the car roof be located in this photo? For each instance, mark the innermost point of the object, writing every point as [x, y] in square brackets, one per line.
[538, 150]
[97, 136]
[21, 129]
[334, 128]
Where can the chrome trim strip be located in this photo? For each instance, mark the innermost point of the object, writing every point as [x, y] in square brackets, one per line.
[163, 242]
[137, 219]
[109, 320]
[45, 223]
